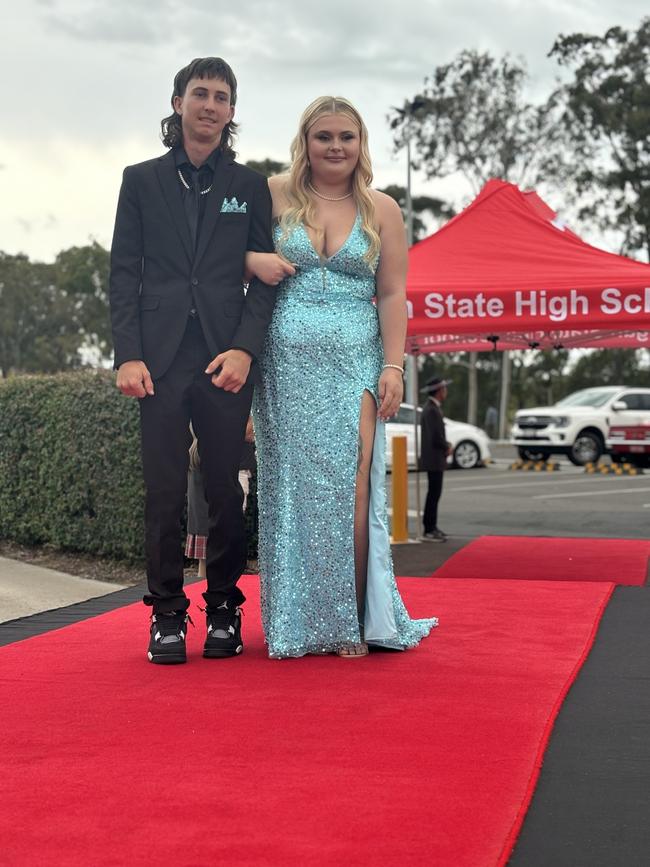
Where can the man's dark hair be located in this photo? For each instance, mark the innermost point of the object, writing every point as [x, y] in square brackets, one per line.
[201, 67]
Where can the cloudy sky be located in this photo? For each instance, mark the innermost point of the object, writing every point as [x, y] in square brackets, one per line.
[87, 82]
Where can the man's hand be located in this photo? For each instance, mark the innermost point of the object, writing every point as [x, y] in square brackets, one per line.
[134, 379]
[234, 364]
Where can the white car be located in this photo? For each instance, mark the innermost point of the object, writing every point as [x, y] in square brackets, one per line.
[578, 425]
[470, 446]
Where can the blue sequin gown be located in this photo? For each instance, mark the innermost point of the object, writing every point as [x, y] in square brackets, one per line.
[323, 350]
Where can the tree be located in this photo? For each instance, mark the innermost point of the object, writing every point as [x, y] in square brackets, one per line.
[49, 313]
[471, 117]
[81, 275]
[538, 377]
[267, 167]
[606, 113]
[436, 209]
[34, 331]
[609, 367]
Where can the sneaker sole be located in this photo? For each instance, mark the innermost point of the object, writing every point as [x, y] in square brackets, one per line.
[222, 653]
[166, 659]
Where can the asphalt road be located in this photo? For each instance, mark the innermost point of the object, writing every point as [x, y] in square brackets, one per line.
[496, 500]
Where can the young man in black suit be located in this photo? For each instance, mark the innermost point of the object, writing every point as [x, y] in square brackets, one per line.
[186, 340]
[433, 458]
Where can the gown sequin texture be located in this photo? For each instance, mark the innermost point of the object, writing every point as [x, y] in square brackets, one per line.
[323, 350]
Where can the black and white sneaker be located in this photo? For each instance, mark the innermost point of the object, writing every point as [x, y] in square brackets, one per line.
[224, 632]
[167, 641]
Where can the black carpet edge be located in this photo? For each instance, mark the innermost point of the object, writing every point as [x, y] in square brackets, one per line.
[57, 618]
[591, 805]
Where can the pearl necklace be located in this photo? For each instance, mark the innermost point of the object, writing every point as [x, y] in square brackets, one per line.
[187, 186]
[329, 198]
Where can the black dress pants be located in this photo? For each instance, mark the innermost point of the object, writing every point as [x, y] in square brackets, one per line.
[185, 393]
[430, 517]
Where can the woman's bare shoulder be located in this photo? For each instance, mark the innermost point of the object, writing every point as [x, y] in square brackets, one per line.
[387, 209]
[382, 200]
[278, 186]
[278, 183]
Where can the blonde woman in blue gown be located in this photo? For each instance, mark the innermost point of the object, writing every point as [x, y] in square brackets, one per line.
[332, 375]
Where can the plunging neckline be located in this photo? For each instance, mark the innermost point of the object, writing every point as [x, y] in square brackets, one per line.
[340, 249]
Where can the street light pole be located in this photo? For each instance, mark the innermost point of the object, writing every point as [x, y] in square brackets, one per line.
[409, 202]
[411, 362]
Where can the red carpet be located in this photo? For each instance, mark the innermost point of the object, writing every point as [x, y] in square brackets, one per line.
[423, 758]
[621, 561]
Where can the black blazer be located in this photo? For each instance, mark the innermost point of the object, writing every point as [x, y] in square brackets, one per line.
[433, 456]
[154, 272]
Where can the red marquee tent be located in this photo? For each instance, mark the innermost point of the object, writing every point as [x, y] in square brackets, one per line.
[506, 273]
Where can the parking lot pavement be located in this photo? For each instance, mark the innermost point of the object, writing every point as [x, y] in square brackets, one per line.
[422, 559]
[498, 501]
[26, 589]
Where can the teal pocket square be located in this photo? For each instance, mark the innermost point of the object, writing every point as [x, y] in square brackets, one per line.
[233, 206]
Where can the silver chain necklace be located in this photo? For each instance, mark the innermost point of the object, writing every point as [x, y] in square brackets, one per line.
[187, 186]
[328, 198]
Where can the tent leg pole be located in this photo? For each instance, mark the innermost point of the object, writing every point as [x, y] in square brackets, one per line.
[412, 396]
[504, 398]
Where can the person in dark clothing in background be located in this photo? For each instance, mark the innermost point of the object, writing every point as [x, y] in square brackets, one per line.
[433, 455]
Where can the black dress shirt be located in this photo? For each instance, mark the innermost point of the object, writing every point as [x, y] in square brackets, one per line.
[197, 179]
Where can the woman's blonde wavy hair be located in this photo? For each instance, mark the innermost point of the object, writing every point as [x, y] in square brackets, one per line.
[300, 203]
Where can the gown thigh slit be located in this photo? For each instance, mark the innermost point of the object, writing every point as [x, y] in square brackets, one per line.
[322, 353]
[367, 423]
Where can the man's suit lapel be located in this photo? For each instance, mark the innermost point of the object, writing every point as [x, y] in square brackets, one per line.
[168, 177]
[221, 182]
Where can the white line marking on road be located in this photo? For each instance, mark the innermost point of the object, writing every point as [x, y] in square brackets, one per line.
[589, 494]
[522, 484]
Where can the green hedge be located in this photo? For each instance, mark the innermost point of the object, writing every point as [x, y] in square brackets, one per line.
[70, 468]
[70, 464]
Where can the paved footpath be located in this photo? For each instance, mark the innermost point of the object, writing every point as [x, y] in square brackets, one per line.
[26, 589]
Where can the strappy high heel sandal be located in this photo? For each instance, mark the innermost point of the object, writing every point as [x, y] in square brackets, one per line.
[354, 649]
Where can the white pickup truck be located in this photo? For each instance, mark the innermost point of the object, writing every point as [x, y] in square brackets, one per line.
[578, 425]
